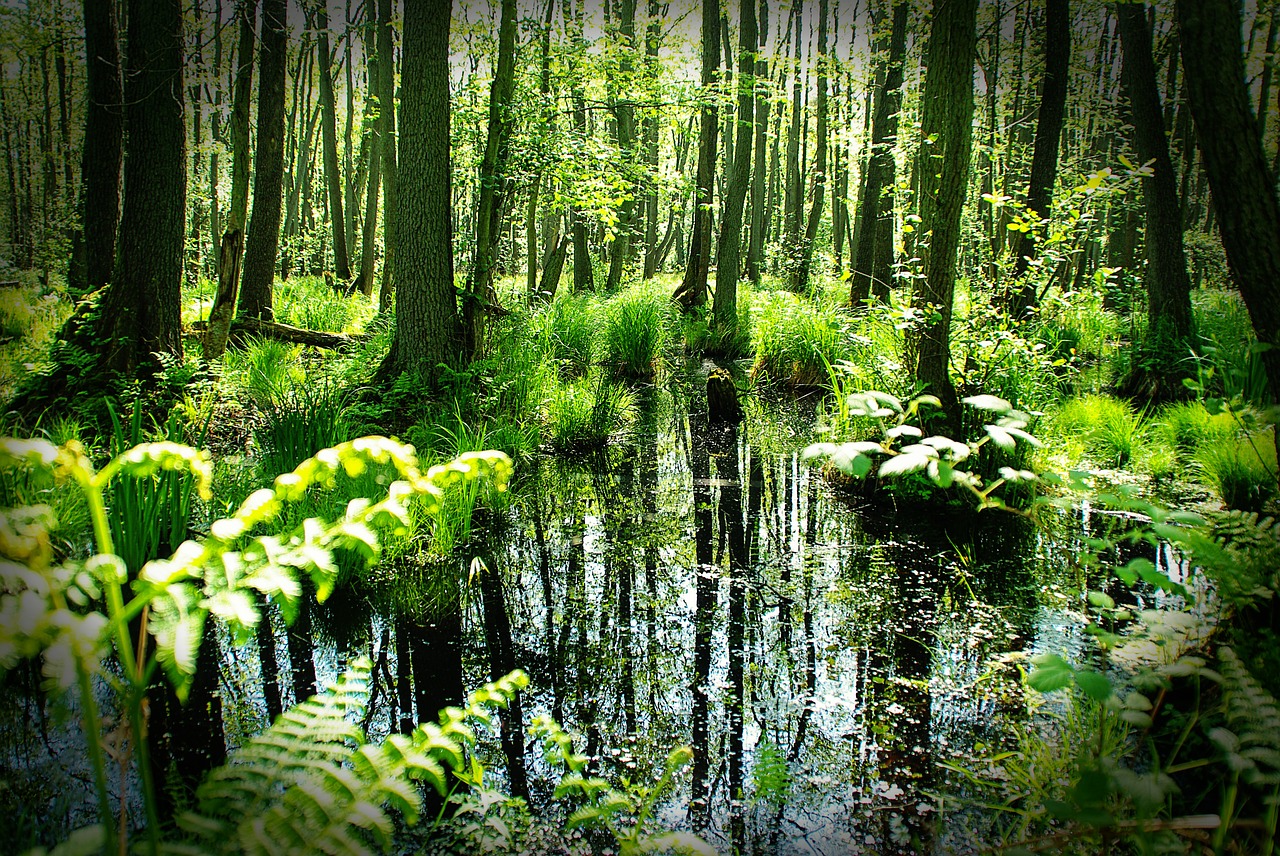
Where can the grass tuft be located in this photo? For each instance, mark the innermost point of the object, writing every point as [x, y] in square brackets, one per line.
[1242, 470]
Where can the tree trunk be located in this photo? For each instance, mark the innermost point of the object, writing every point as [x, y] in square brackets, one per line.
[693, 288]
[1169, 318]
[1044, 157]
[480, 294]
[373, 164]
[625, 115]
[231, 248]
[1248, 211]
[873, 258]
[390, 167]
[428, 331]
[141, 311]
[800, 283]
[942, 167]
[759, 218]
[724, 318]
[268, 180]
[792, 186]
[583, 275]
[329, 143]
[102, 157]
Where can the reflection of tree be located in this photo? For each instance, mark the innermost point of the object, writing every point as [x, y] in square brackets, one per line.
[497, 637]
[704, 614]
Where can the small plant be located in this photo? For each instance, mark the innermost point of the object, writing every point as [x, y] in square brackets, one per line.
[795, 341]
[1108, 428]
[266, 368]
[584, 414]
[298, 423]
[1188, 425]
[634, 334]
[570, 324]
[1242, 470]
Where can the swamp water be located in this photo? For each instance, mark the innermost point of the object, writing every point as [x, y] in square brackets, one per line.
[829, 662]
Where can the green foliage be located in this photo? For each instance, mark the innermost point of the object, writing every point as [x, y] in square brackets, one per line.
[299, 421]
[266, 368]
[634, 334]
[308, 302]
[584, 414]
[1241, 469]
[1188, 425]
[569, 326]
[1228, 356]
[796, 340]
[310, 783]
[1107, 429]
[44, 601]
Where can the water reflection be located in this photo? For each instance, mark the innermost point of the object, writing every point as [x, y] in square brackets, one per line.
[702, 584]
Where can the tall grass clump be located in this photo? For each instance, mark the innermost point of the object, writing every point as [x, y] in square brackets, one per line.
[634, 334]
[1108, 430]
[308, 302]
[1242, 470]
[1188, 425]
[298, 422]
[585, 414]
[795, 340]
[264, 368]
[569, 326]
[1228, 357]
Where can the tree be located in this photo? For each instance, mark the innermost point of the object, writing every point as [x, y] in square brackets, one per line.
[942, 176]
[755, 246]
[1168, 286]
[427, 330]
[329, 144]
[1239, 177]
[231, 247]
[140, 313]
[372, 150]
[624, 112]
[873, 257]
[692, 291]
[1044, 157]
[728, 256]
[103, 153]
[263, 241]
[800, 283]
[494, 184]
[390, 164]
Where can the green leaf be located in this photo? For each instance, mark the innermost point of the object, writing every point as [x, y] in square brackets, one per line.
[903, 464]
[1096, 685]
[1101, 600]
[992, 403]
[1051, 673]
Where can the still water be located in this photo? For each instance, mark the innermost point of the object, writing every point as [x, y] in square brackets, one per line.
[829, 660]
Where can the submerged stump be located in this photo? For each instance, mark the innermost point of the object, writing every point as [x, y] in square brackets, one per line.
[722, 398]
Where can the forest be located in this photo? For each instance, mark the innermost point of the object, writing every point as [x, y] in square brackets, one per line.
[613, 427]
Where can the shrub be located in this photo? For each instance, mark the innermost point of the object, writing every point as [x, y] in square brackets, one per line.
[1243, 470]
[634, 333]
[1108, 428]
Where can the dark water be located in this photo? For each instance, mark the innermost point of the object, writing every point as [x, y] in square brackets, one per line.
[705, 586]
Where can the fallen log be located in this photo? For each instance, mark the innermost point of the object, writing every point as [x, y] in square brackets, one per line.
[241, 327]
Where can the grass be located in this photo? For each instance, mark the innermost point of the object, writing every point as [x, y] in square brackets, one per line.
[265, 368]
[1106, 429]
[795, 340]
[306, 301]
[1241, 470]
[1187, 425]
[1228, 358]
[298, 422]
[568, 326]
[29, 318]
[586, 413]
[634, 333]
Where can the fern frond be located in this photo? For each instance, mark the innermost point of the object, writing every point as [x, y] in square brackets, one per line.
[1254, 719]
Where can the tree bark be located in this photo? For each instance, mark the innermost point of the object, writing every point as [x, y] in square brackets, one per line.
[390, 166]
[263, 240]
[625, 115]
[724, 318]
[652, 40]
[800, 283]
[428, 331]
[1044, 157]
[873, 258]
[692, 291]
[103, 154]
[1248, 211]
[231, 248]
[1169, 319]
[755, 245]
[140, 313]
[329, 144]
[480, 294]
[946, 131]
[373, 158]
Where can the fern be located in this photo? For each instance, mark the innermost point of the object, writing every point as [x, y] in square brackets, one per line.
[1252, 744]
[310, 784]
